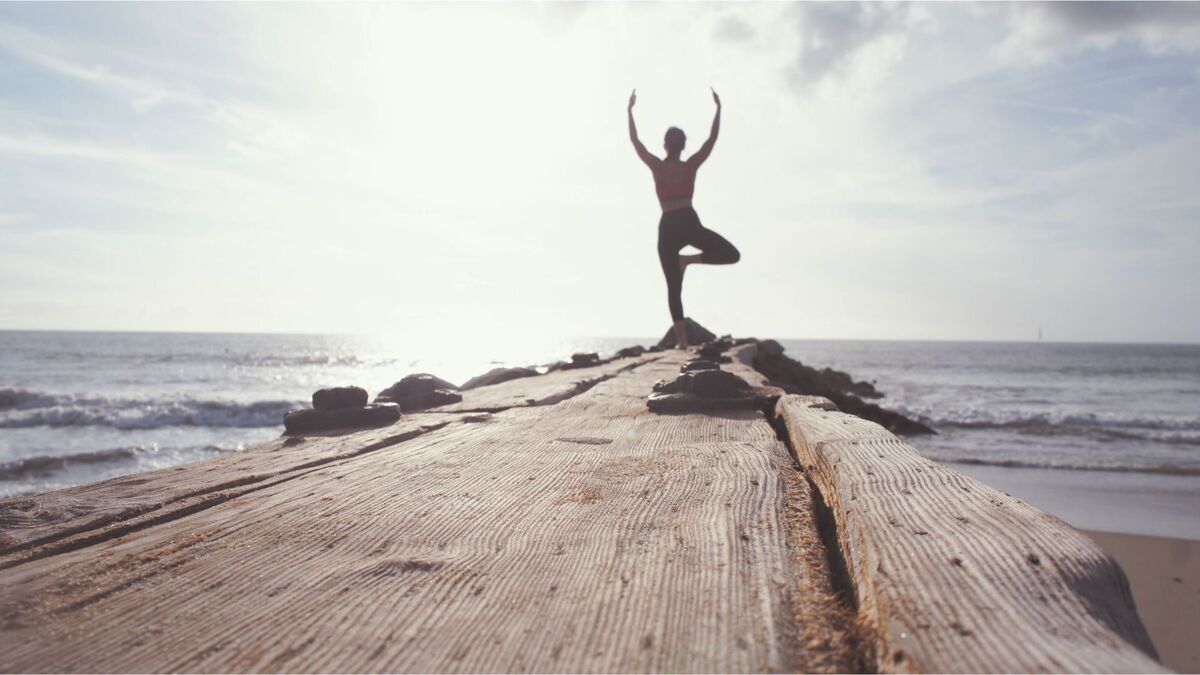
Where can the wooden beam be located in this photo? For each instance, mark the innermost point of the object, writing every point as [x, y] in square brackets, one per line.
[591, 535]
[953, 575]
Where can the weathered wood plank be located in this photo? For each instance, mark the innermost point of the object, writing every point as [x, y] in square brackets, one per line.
[546, 389]
[40, 519]
[955, 576]
[124, 501]
[591, 535]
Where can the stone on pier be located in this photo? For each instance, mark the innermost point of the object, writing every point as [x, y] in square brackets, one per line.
[696, 334]
[420, 391]
[310, 420]
[336, 398]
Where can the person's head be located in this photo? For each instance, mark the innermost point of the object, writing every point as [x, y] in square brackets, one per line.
[674, 141]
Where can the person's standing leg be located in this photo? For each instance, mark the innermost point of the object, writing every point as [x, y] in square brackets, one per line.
[669, 244]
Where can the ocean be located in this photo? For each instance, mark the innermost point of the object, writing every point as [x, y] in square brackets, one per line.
[77, 407]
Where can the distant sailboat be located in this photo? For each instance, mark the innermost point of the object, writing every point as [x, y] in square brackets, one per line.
[1039, 333]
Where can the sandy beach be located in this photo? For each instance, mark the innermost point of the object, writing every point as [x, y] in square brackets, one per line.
[1165, 576]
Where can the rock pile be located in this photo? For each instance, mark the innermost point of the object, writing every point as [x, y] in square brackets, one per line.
[702, 385]
[339, 408]
[797, 378]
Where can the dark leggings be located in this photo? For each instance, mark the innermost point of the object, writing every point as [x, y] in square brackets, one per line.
[680, 228]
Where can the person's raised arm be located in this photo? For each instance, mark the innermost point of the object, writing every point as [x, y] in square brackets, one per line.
[706, 149]
[642, 152]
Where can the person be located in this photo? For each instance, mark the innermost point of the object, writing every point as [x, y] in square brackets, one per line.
[674, 181]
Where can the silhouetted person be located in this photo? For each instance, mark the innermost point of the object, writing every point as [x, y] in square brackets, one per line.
[675, 180]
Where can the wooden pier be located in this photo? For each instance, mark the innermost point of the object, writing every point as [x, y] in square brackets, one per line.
[553, 523]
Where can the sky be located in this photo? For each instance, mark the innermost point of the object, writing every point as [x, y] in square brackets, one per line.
[938, 171]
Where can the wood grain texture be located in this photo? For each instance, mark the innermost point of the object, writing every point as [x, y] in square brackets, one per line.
[954, 575]
[591, 535]
[43, 519]
[121, 502]
[546, 389]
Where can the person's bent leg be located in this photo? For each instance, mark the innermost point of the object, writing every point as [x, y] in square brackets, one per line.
[714, 249]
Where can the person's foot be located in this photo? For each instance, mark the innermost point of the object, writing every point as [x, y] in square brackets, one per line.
[681, 341]
[685, 260]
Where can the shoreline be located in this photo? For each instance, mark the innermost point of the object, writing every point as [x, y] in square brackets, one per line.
[1131, 503]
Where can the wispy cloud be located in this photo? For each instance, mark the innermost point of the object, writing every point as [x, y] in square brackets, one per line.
[141, 94]
[452, 156]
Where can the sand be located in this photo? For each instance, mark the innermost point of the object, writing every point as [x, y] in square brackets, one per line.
[1161, 505]
[1165, 576]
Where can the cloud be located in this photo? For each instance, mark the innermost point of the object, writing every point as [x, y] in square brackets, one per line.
[734, 29]
[1041, 30]
[256, 129]
[833, 35]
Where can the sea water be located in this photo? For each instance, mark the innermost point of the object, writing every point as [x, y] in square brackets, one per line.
[1114, 407]
[77, 407]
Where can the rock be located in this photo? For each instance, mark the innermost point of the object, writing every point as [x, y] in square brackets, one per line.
[699, 364]
[635, 350]
[420, 391]
[719, 345]
[585, 360]
[578, 360]
[718, 384]
[797, 378]
[336, 398]
[375, 415]
[713, 352]
[696, 334]
[770, 348]
[713, 347]
[703, 389]
[496, 376]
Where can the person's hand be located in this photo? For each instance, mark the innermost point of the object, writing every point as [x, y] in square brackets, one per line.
[632, 99]
[716, 99]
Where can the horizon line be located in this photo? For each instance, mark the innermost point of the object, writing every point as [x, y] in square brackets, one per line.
[608, 337]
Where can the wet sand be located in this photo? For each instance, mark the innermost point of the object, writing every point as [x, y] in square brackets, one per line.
[1165, 576]
[1160, 505]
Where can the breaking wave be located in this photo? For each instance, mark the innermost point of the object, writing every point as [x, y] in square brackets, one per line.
[22, 408]
[1112, 426]
[1166, 469]
[48, 465]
